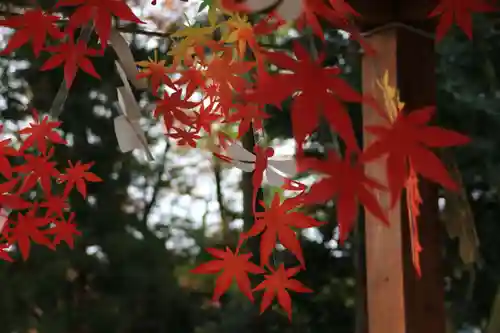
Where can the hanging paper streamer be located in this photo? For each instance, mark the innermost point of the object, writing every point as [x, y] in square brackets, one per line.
[278, 170]
[126, 58]
[288, 10]
[127, 129]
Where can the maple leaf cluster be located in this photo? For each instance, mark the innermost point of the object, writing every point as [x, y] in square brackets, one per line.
[214, 82]
[28, 172]
[278, 222]
[36, 25]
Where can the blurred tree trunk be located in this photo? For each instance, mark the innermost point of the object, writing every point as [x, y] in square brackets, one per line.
[220, 200]
[253, 243]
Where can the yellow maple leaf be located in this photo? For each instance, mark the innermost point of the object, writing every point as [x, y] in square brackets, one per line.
[151, 62]
[240, 32]
[393, 106]
[156, 71]
[392, 102]
[183, 52]
[192, 38]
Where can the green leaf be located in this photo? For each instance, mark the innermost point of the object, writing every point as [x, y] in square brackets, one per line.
[204, 4]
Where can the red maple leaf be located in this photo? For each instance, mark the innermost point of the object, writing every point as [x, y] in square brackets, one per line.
[277, 285]
[460, 12]
[32, 25]
[247, 114]
[40, 132]
[64, 231]
[192, 78]
[73, 56]
[265, 89]
[221, 100]
[276, 222]
[339, 14]
[101, 12]
[204, 119]
[320, 90]
[406, 139]
[26, 227]
[185, 137]
[38, 169]
[10, 200]
[6, 150]
[55, 205]
[77, 175]
[172, 107]
[348, 183]
[232, 266]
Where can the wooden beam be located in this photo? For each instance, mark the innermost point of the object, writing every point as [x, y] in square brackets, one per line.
[381, 12]
[397, 301]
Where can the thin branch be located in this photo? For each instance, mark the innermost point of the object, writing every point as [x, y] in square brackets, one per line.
[156, 188]
[128, 28]
[133, 29]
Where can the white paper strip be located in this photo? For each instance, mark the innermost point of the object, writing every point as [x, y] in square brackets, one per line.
[129, 134]
[128, 104]
[287, 166]
[273, 178]
[260, 5]
[238, 152]
[122, 50]
[278, 168]
[290, 10]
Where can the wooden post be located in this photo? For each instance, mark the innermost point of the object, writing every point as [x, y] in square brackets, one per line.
[397, 301]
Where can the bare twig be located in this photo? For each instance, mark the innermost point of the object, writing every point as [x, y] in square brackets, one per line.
[157, 186]
[128, 28]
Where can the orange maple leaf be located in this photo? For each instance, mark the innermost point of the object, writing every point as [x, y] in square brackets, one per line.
[226, 73]
[157, 72]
